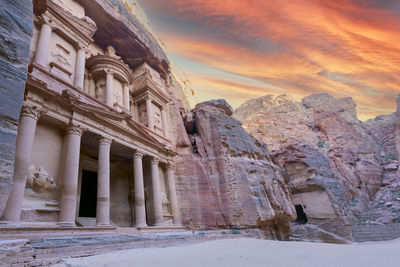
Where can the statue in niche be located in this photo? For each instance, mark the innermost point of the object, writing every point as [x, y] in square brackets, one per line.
[118, 96]
[100, 90]
[40, 180]
[165, 203]
[157, 118]
[110, 51]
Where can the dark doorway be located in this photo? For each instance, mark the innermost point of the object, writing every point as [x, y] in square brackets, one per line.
[301, 215]
[87, 205]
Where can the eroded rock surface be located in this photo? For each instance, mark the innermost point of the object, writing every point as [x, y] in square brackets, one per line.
[329, 125]
[354, 152]
[237, 182]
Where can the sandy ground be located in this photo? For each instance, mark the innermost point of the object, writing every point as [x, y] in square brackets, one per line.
[252, 252]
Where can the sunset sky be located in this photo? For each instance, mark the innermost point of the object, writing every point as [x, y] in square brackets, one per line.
[242, 49]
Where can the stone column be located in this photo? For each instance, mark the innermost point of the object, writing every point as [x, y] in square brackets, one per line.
[86, 85]
[70, 176]
[164, 122]
[109, 88]
[126, 97]
[149, 111]
[135, 111]
[92, 86]
[23, 151]
[80, 67]
[140, 209]
[176, 218]
[42, 49]
[103, 183]
[155, 179]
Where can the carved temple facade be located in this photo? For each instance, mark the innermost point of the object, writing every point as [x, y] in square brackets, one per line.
[93, 145]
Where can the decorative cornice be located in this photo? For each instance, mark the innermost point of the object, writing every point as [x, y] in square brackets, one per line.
[30, 111]
[74, 129]
[106, 63]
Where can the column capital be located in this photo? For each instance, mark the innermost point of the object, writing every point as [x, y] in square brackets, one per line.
[109, 71]
[30, 111]
[138, 154]
[81, 46]
[74, 129]
[105, 141]
[45, 18]
[170, 165]
[155, 161]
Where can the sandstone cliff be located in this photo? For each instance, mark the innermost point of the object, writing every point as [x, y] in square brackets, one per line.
[356, 152]
[16, 26]
[329, 125]
[227, 178]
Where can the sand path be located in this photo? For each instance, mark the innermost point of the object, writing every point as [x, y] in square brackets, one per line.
[252, 252]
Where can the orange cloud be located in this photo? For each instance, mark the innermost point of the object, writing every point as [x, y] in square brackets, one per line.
[343, 47]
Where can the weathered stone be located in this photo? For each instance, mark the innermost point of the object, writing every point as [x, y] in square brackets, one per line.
[327, 124]
[316, 188]
[219, 103]
[238, 184]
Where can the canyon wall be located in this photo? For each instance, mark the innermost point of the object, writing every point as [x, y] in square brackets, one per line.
[15, 36]
[355, 153]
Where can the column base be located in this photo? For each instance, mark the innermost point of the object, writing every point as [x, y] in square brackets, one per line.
[66, 225]
[103, 225]
[141, 225]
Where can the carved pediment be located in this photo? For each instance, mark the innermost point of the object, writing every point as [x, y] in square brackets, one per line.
[83, 29]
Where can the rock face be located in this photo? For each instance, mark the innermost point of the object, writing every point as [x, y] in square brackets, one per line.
[15, 34]
[228, 178]
[329, 127]
[383, 129]
[316, 189]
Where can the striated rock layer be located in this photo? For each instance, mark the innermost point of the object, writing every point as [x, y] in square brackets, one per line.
[227, 178]
[16, 26]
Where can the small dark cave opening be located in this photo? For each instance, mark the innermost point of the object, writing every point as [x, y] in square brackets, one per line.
[301, 215]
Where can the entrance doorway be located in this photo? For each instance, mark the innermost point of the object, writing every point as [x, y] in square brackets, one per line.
[301, 215]
[88, 203]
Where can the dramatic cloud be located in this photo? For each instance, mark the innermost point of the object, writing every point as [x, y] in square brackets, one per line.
[241, 49]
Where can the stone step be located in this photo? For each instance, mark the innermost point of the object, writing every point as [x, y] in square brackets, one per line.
[43, 251]
[376, 232]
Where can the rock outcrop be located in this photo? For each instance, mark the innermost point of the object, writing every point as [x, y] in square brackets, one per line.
[16, 26]
[228, 178]
[353, 151]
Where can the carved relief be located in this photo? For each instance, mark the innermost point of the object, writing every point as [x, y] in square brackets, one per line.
[61, 55]
[40, 181]
[157, 119]
[100, 90]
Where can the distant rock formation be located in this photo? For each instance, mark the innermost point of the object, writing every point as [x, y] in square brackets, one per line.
[327, 127]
